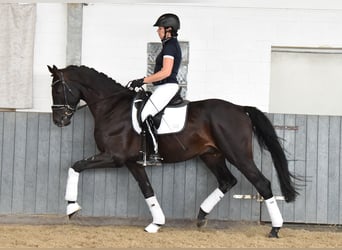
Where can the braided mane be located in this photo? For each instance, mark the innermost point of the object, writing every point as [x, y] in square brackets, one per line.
[92, 71]
[101, 80]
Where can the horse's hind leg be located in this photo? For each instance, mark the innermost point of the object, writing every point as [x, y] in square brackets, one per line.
[216, 163]
[263, 186]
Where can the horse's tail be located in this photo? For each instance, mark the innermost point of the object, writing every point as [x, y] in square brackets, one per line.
[269, 140]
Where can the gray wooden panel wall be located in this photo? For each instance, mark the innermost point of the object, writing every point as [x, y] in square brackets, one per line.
[35, 156]
[313, 145]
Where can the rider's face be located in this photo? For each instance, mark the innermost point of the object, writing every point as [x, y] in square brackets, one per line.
[161, 32]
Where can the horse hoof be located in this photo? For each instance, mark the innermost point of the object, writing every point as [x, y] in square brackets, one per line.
[72, 209]
[152, 228]
[274, 232]
[201, 223]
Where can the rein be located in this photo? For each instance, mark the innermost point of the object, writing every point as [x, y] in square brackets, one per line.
[103, 99]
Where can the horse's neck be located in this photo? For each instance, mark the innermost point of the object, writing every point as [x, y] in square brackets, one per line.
[103, 102]
[93, 93]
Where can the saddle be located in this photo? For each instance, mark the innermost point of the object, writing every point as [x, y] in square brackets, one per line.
[173, 115]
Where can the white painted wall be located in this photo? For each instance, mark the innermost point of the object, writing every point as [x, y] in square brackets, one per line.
[306, 82]
[49, 48]
[230, 45]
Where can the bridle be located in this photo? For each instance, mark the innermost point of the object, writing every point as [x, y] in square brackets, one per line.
[69, 110]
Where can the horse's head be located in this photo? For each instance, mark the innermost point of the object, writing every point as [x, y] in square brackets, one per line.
[65, 97]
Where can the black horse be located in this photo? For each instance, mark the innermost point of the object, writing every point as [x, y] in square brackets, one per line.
[215, 131]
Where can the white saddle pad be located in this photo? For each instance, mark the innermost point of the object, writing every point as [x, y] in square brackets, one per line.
[172, 121]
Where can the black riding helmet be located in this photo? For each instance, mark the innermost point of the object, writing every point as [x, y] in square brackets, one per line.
[169, 20]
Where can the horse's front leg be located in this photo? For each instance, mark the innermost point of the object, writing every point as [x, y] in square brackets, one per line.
[97, 161]
[141, 177]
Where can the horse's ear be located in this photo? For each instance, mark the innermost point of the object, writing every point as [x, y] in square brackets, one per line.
[50, 69]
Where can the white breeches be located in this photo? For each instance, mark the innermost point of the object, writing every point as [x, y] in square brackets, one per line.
[160, 97]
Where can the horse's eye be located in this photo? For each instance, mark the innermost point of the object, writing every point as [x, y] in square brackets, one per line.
[58, 89]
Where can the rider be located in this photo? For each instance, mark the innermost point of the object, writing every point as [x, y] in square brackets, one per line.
[164, 77]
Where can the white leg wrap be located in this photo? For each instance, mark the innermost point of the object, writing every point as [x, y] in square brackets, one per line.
[72, 185]
[73, 208]
[209, 203]
[274, 212]
[152, 228]
[156, 211]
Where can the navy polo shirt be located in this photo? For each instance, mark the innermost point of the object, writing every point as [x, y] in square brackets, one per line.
[170, 48]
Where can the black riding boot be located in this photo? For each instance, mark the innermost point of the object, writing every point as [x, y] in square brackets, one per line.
[154, 157]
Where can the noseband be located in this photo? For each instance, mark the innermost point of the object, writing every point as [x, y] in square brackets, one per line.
[68, 109]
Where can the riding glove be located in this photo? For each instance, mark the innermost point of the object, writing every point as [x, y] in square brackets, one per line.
[137, 83]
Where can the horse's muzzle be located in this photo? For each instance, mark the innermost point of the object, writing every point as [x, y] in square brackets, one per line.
[62, 123]
[61, 115]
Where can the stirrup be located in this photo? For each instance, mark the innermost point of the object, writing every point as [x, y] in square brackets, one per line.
[155, 157]
[149, 162]
[153, 160]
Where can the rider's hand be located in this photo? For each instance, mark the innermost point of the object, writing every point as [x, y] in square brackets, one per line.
[137, 83]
